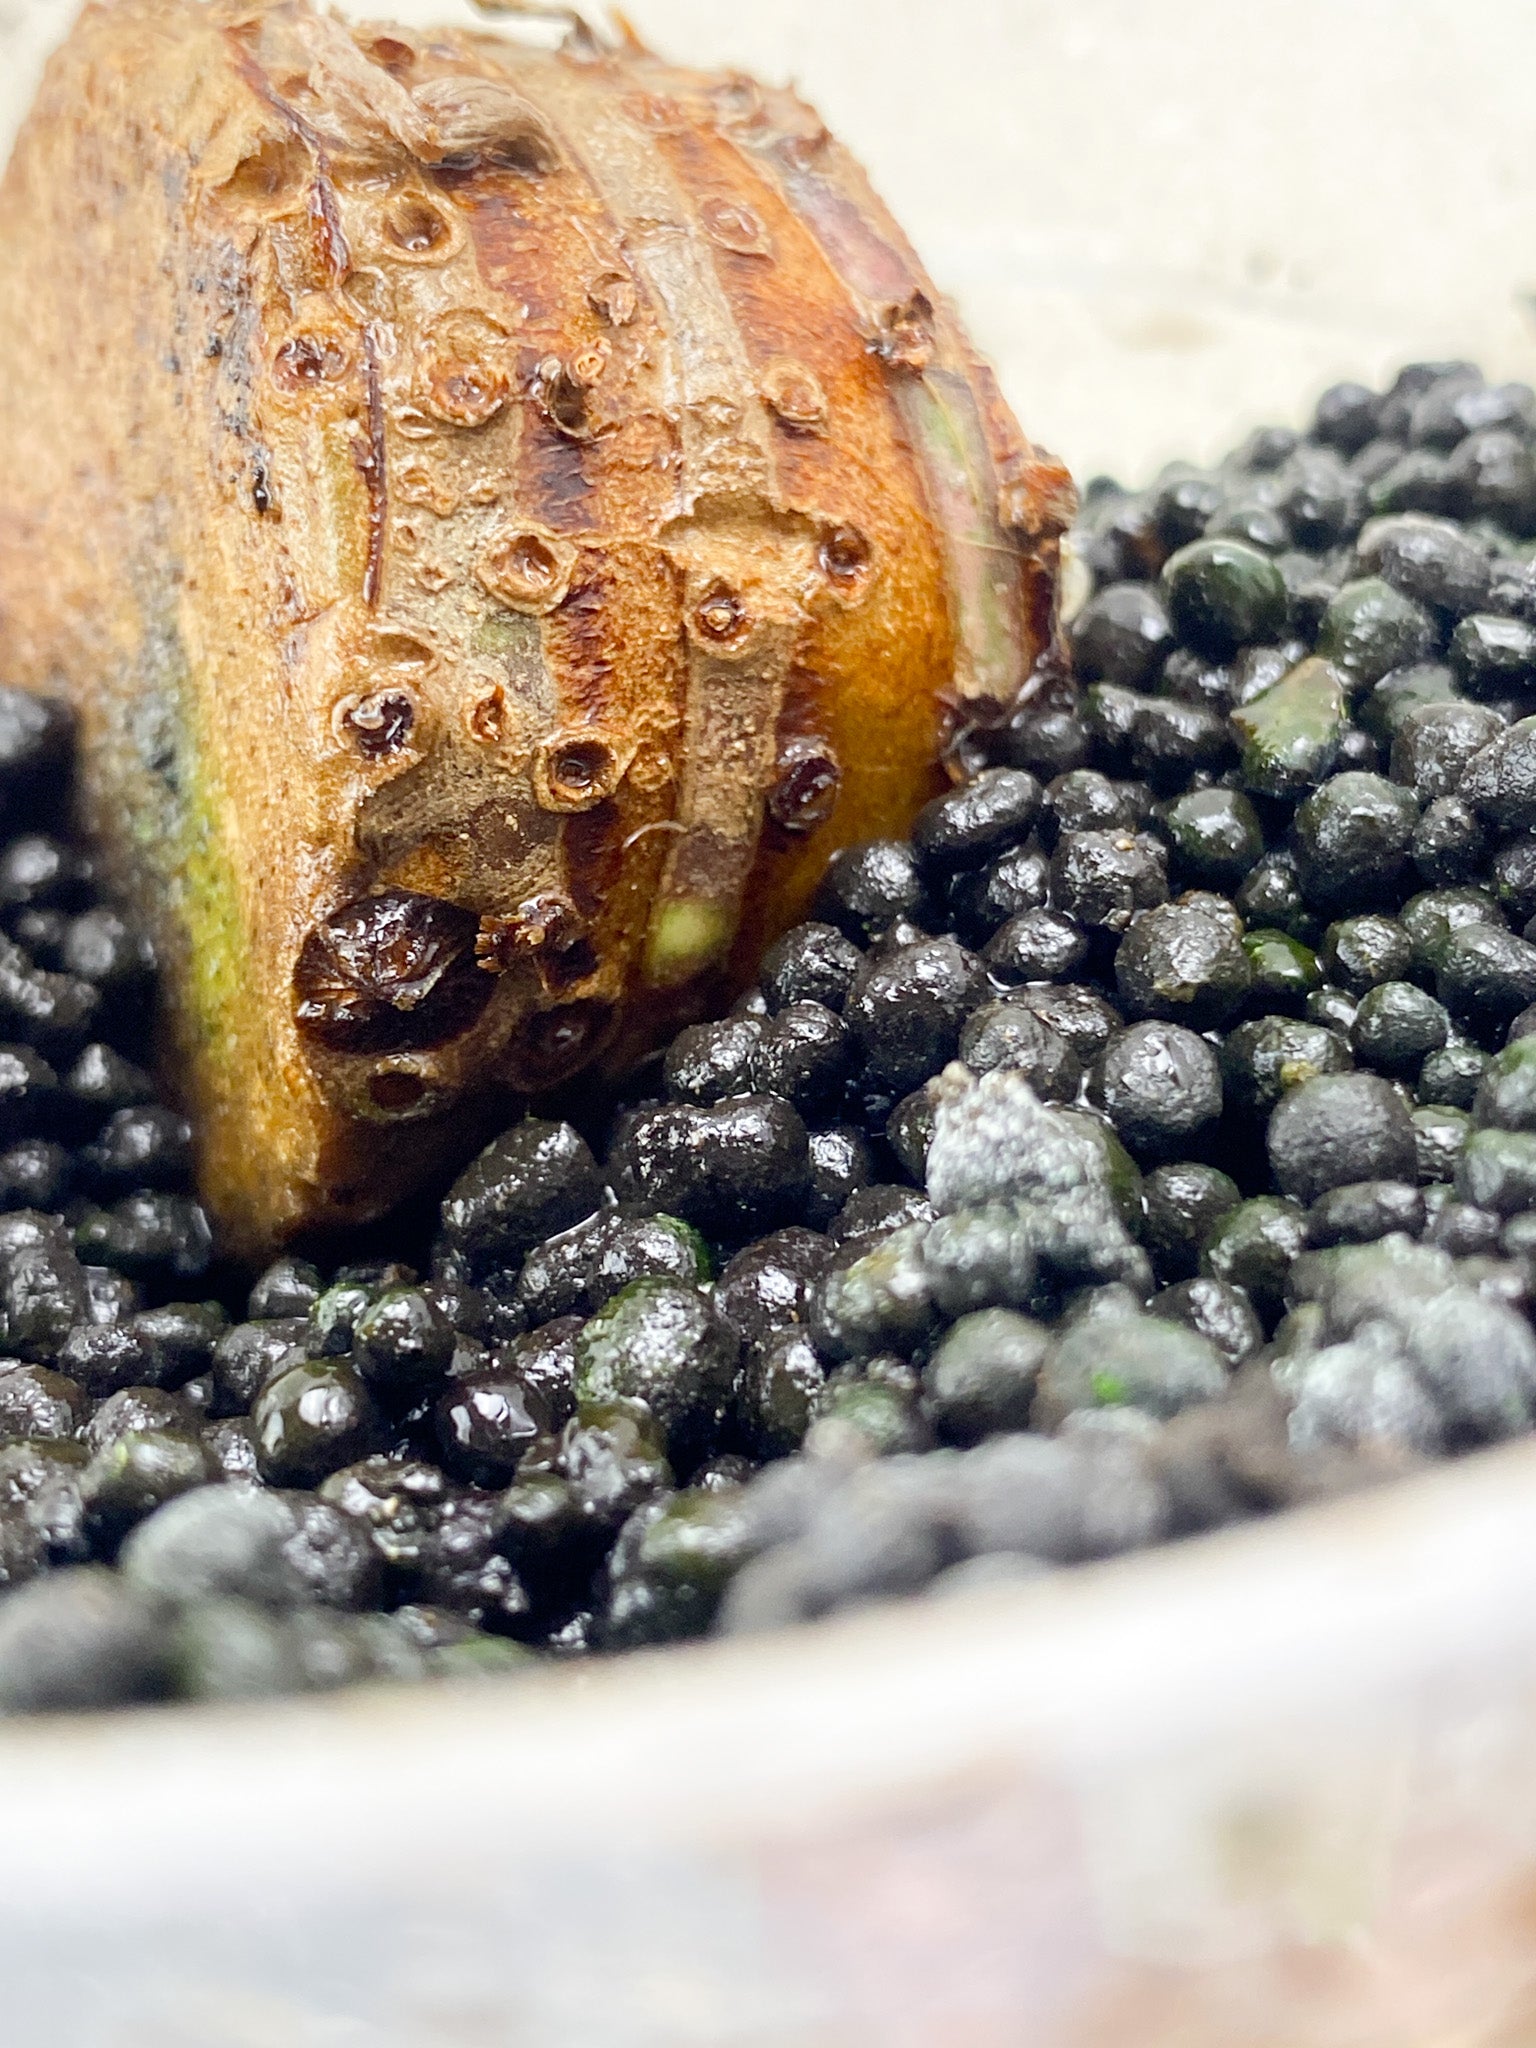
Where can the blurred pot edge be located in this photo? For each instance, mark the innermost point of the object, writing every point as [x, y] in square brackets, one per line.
[1423, 1589]
[1274, 1787]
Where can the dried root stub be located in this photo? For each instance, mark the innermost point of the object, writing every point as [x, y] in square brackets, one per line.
[503, 516]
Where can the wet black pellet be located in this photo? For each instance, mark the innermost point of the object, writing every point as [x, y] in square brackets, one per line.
[980, 900]
[906, 1008]
[36, 1401]
[486, 1423]
[1339, 1128]
[247, 1355]
[38, 869]
[970, 825]
[1160, 1086]
[1122, 635]
[312, 1418]
[1191, 679]
[1037, 945]
[148, 1236]
[1224, 594]
[1215, 1310]
[742, 1165]
[1181, 1205]
[1491, 474]
[538, 1178]
[1452, 1075]
[1080, 1016]
[708, 1062]
[1320, 499]
[1010, 1034]
[1184, 962]
[145, 1147]
[288, 1287]
[876, 1211]
[1449, 844]
[1465, 1231]
[1485, 975]
[38, 1173]
[842, 1161]
[1049, 741]
[867, 888]
[183, 1334]
[101, 1080]
[1363, 1211]
[1172, 741]
[1086, 801]
[813, 963]
[1397, 1026]
[764, 1288]
[1185, 506]
[1101, 879]
[1359, 953]
[1347, 417]
[1430, 560]
[582, 1268]
[805, 1055]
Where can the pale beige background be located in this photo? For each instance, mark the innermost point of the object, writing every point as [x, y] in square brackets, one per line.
[1164, 220]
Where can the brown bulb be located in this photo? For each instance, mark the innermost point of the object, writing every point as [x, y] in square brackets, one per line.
[578, 515]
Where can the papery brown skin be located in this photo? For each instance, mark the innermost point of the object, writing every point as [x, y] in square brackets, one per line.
[540, 483]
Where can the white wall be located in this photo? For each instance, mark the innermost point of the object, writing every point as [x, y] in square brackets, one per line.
[1164, 220]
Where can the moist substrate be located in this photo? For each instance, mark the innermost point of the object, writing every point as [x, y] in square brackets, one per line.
[1147, 1144]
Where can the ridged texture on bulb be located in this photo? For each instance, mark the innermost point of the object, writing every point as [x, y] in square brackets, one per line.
[503, 517]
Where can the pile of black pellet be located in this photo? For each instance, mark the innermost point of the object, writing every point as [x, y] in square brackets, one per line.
[1148, 1144]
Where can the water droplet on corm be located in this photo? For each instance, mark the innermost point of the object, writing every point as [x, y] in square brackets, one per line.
[308, 360]
[844, 556]
[721, 615]
[417, 230]
[576, 771]
[463, 376]
[377, 725]
[807, 778]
